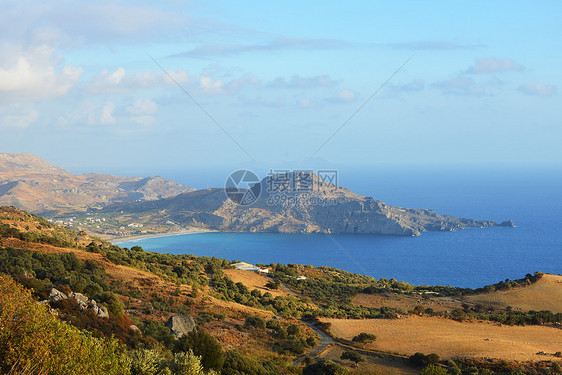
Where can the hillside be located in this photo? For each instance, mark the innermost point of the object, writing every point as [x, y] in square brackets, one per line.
[264, 327]
[30, 183]
[141, 291]
[323, 207]
[545, 294]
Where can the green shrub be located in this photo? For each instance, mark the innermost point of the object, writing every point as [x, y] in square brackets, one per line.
[352, 356]
[325, 368]
[293, 329]
[34, 341]
[204, 345]
[238, 364]
[420, 359]
[255, 321]
[364, 338]
[273, 324]
[433, 370]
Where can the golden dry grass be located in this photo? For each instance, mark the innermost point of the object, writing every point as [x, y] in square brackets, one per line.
[236, 307]
[405, 302]
[450, 339]
[545, 294]
[253, 280]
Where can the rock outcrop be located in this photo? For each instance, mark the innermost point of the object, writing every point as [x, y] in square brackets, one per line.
[83, 302]
[180, 324]
[56, 295]
[321, 208]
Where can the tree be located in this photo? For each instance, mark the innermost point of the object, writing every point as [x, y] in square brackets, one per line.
[113, 303]
[352, 356]
[325, 368]
[272, 285]
[158, 331]
[364, 338]
[420, 359]
[238, 364]
[204, 345]
[273, 324]
[185, 363]
[433, 370]
[149, 362]
[282, 334]
[145, 362]
[254, 321]
[293, 329]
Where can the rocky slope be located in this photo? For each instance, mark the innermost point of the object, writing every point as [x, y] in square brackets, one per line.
[320, 208]
[30, 183]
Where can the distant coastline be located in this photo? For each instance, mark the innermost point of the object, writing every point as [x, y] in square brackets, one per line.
[117, 240]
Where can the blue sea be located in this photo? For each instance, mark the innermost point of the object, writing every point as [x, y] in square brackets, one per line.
[530, 196]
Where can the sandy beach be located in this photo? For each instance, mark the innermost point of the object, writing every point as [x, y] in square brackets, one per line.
[116, 240]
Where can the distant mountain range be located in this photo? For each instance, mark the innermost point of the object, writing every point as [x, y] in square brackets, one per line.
[320, 208]
[30, 183]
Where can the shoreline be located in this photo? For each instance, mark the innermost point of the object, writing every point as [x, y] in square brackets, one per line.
[118, 240]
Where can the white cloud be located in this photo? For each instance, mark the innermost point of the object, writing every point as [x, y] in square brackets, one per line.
[97, 115]
[538, 89]
[107, 114]
[34, 73]
[210, 85]
[125, 115]
[122, 82]
[142, 111]
[267, 46]
[343, 96]
[416, 85]
[459, 86]
[299, 82]
[143, 107]
[18, 116]
[67, 22]
[239, 83]
[432, 45]
[307, 103]
[493, 65]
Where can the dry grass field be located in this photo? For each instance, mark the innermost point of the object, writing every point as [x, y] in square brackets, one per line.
[405, 302]
[253, 281]
[545, 294]
[450, 339]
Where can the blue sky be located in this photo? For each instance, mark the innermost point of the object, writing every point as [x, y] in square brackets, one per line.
[79, 88]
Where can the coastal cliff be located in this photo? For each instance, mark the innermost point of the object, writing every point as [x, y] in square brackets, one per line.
[321, 208]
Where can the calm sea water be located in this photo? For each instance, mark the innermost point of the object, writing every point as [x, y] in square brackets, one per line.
[530, 197]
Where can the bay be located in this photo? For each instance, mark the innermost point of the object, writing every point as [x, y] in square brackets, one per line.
[466, 258]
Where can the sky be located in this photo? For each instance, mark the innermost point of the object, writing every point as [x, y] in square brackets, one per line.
[142, 87]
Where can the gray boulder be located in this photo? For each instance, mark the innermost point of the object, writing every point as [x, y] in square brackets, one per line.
[180, 325]
[99, 310]
[102, 311]
[81, 299]
[56, 295]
